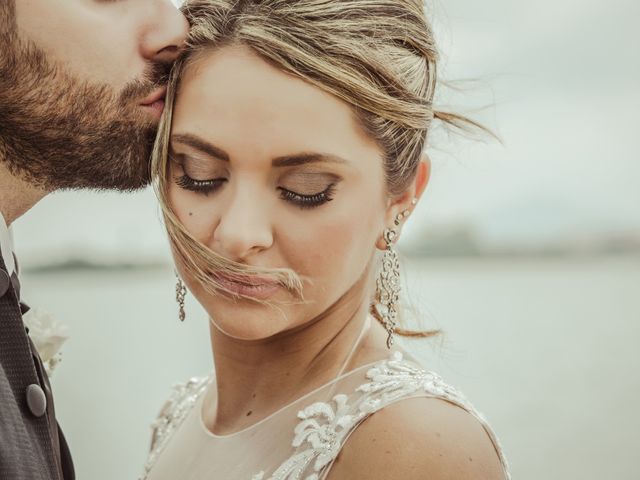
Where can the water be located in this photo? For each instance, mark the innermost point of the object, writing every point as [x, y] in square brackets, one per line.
[545, 348]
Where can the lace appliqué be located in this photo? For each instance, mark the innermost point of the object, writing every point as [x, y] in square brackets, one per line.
[325, 426]
[181, 401]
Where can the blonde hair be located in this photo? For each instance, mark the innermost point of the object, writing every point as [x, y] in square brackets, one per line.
[378, 56]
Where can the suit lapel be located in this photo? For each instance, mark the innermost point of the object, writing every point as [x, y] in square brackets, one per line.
[21, 371]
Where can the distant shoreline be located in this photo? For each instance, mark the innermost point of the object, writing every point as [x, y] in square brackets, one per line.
[77, 266]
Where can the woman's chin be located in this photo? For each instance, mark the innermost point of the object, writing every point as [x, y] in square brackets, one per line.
[250, 326]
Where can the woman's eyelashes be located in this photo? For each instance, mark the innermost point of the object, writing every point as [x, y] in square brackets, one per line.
[308, 201]
[204, 187]
[304, 201]
[187, 177]
[304, 189]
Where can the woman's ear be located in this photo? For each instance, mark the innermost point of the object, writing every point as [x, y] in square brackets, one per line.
[401, 206]
[422, 176]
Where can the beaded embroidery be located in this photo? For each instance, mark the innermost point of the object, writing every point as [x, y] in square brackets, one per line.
[180, 403]
[324, 426]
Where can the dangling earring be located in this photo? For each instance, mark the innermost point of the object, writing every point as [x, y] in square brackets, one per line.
[181, 292]
[388, 282]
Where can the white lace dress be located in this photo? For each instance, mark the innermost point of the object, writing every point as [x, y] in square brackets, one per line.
[299, 441]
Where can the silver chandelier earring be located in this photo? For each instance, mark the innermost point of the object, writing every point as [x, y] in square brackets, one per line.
[388, 282]
[181, 293]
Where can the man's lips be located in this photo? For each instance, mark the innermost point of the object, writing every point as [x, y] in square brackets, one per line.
[156, 96]
[154, 103]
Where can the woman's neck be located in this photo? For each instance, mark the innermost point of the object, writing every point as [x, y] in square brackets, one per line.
[255, 380]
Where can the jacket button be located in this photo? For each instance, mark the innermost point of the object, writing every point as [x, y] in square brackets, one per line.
[5, 282]
[36, 400]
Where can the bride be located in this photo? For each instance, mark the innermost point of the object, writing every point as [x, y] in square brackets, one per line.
[289, 158]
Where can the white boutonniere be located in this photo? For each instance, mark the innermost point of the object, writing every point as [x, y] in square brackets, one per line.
[48, 335]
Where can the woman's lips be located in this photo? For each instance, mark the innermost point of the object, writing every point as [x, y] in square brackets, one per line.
[250, 287]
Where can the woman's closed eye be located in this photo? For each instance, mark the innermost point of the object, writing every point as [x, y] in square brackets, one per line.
[204, 187]
[308, 201]
[305, 200]
[302, 188]
[196, 175]
[302, 200]
[308, 189]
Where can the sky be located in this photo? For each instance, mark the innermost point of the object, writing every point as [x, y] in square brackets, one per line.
[558, 81]
[564, 87]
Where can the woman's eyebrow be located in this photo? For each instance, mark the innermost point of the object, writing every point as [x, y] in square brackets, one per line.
[283, 161]
[201, 145]
[304, 158]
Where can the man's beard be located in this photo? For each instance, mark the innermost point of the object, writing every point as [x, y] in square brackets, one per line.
[58, 132]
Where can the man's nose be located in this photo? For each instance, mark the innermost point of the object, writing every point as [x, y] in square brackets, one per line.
[166, 32]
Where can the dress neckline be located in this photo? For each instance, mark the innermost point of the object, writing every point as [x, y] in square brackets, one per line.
[211, 384]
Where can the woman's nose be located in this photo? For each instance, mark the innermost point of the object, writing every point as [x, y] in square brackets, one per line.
[244, 228]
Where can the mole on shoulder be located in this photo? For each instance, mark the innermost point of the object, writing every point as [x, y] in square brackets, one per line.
[249, 412]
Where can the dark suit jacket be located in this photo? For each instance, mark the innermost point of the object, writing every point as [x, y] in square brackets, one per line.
[31, 447]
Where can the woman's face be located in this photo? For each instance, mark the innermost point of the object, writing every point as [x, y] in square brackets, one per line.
[270, 171]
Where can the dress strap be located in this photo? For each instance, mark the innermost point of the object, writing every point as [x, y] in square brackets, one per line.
[363, 331]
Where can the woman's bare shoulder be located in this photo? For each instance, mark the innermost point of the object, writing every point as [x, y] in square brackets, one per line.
[419, 438]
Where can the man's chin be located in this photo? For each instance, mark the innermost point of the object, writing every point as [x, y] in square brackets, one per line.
[127, 185]
[117, 183]
[125, 167]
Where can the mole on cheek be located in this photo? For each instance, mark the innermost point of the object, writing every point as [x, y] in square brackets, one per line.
[191, 214]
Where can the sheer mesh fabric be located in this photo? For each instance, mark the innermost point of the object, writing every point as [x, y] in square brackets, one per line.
[299, 441]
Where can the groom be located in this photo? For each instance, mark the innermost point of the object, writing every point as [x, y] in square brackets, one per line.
[81, 93]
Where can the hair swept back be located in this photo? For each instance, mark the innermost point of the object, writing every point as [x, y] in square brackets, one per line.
[379, 56]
